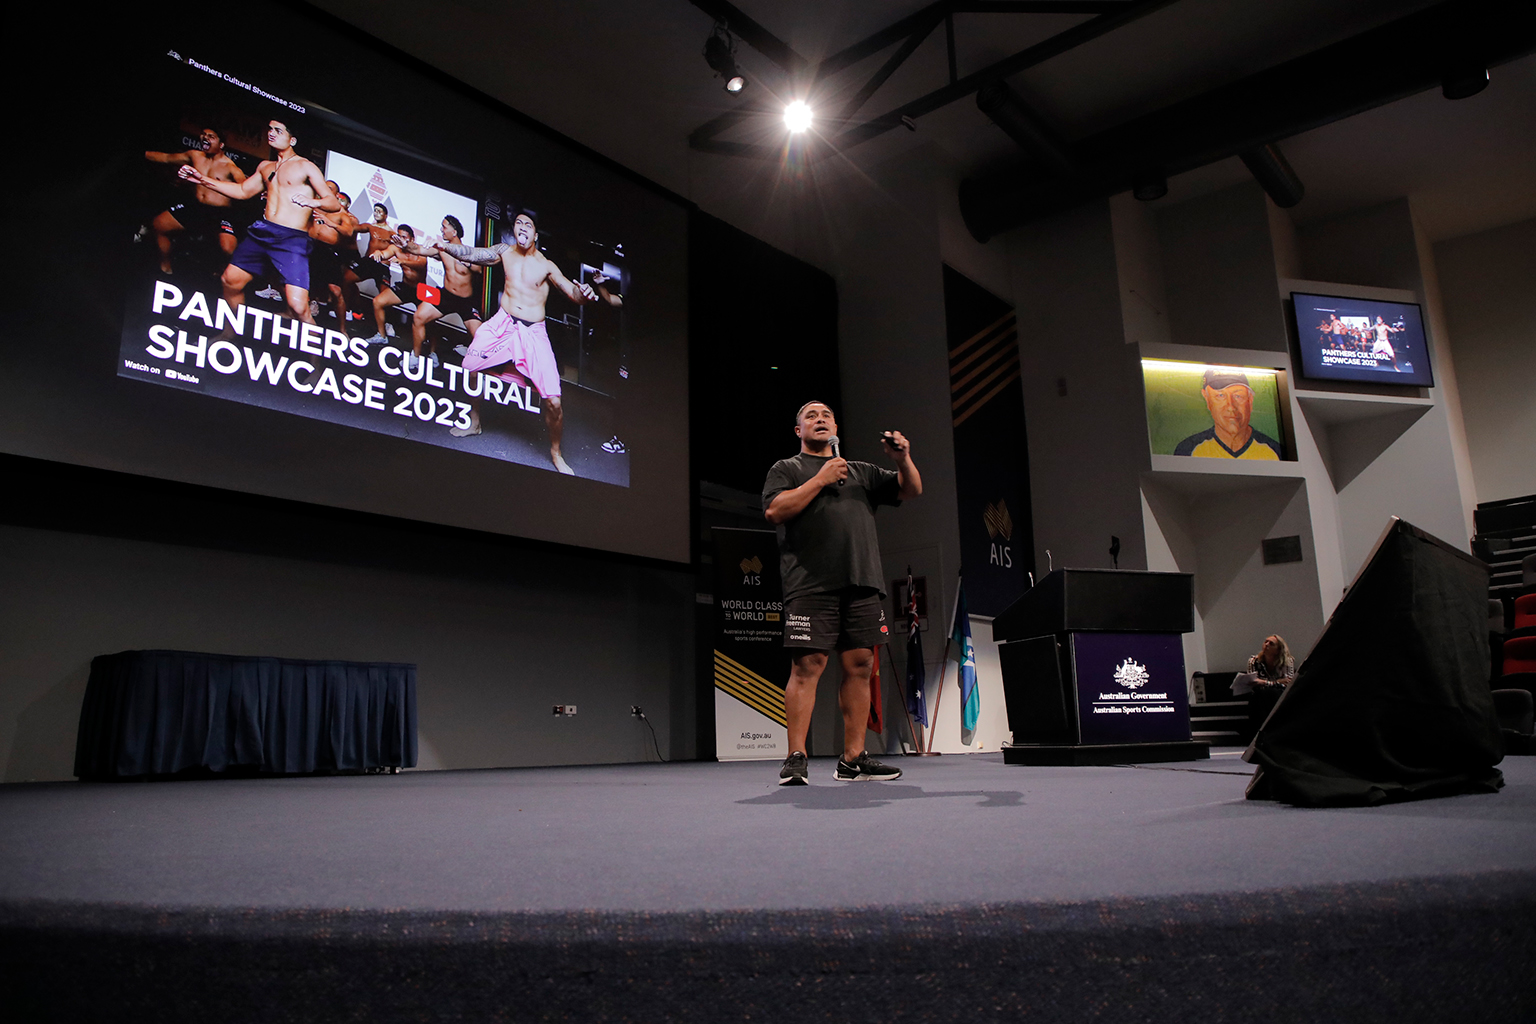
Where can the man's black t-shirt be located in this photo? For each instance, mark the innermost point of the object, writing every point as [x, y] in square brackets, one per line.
[831, 544]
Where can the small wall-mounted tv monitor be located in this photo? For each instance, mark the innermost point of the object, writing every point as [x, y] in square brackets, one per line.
[1361, 340]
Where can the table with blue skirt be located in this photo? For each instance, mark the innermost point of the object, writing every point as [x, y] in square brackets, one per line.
[149, 713]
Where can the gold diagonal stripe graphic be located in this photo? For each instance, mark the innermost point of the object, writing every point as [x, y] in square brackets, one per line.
[773, 714]
[748, 687]
[981, 385]
[982, 341]
[757, 693]
[988, 397]
[767, 691]
[971, 403]
[973, 339]
[1007, 340]
[729, 662]
[1001, 356]
[747, 680]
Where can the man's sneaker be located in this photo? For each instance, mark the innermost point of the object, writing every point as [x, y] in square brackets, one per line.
[796, 771]
[863, 769]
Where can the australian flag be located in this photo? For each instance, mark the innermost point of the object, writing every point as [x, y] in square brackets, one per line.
[917, 681]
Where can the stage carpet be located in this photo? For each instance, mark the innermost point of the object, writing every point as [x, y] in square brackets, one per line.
[968, 891]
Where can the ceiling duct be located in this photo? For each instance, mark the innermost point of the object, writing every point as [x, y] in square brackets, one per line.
[1021, 124]
[1271, 170]
[1308, 92]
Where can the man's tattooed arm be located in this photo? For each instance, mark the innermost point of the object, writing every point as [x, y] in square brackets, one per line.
[482, 256]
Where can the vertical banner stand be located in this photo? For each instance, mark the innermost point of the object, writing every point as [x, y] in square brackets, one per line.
[750, 723]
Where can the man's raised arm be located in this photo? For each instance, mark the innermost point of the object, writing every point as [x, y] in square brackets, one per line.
[581, 294]
[907, 477]
[246, 189]
[168, 158]
[484, 256]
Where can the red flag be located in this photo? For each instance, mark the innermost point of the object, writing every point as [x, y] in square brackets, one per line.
[875, 724]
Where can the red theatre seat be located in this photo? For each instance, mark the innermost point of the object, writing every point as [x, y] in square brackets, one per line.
[1519, 654]
[1525, 611]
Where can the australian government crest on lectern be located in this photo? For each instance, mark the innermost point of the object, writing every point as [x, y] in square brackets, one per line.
[1093, 668]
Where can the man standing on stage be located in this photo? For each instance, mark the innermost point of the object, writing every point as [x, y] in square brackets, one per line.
[829, 558]
[209, 212]
[515, 338]
[279, 243]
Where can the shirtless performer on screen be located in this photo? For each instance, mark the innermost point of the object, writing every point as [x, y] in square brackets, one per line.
[279, 242]
[457, 296]
[515, 339]
[210, 211]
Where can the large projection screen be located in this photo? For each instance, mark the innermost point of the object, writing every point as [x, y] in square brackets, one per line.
[204, 310]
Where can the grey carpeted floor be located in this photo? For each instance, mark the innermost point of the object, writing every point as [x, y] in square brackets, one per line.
[695, 836]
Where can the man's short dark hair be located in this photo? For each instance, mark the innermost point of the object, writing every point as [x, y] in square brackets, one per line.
[532, 216]
[458, 228]
[406, 229]
[815, 401]
[381, 206]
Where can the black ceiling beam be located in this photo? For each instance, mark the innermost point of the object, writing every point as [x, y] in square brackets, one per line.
[898, 58]
[1043, 51]
[845, 58]
[1038, 6]
[1415, 53]
[1112, 15]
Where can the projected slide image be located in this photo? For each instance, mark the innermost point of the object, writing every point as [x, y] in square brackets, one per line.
[296, 261]
[1361, 340]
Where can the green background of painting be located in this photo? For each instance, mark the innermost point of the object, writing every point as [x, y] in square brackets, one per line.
[1175, 409]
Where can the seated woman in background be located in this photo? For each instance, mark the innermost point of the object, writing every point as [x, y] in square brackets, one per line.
[1269, 673]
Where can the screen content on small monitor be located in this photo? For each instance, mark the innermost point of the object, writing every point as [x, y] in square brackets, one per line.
[1361, 340]
[326, 274]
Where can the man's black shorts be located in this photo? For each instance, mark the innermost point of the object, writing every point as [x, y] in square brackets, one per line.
[839, 620]
[449, 303]
[198, 219]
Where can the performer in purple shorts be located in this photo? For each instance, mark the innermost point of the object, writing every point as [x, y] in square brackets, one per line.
[279, 242]
[514, 341]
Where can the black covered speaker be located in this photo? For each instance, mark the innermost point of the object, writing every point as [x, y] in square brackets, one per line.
[1393, 702]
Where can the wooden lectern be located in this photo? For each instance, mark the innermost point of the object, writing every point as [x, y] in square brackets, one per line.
[1093, 669]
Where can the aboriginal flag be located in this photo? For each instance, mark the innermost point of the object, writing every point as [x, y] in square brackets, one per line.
[876, 722]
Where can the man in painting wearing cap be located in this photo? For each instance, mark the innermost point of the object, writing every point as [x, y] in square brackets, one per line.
[1229, 398]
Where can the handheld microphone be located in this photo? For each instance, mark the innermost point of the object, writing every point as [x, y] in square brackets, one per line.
[837, 452]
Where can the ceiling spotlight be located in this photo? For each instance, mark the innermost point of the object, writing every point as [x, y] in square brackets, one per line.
[1148, 185]
[1461, 82]
[720, 55]
[797, 116]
